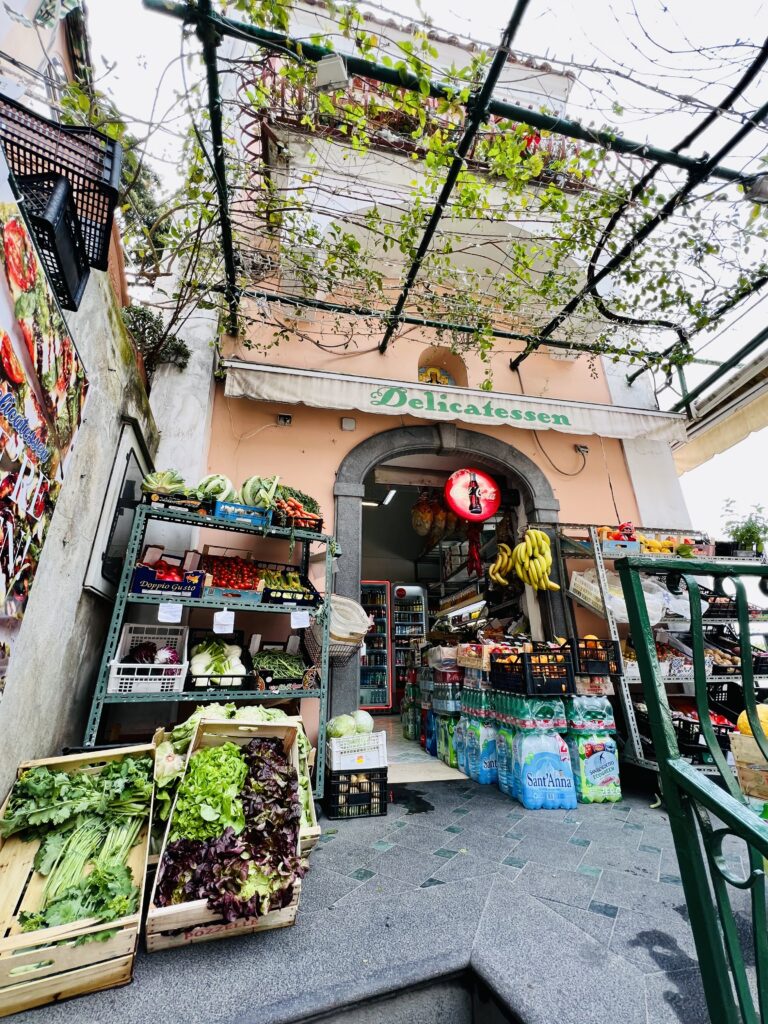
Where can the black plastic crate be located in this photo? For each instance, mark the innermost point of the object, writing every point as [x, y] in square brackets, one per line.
[246, 682]
[89, 160]
[179, 502]
[280, 519]
[596, 657]
[365, 797]
[50, 206]
[721, 606]
[540, 671]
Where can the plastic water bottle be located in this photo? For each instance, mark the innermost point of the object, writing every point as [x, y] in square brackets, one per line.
[505, 737]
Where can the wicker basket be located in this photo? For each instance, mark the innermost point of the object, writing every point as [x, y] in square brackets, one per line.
[339, 651]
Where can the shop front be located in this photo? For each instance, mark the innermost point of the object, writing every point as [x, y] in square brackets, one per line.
[370, 450]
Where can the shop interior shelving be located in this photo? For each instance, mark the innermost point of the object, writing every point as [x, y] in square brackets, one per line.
[579, 548]
[376, 666]
[143, 516]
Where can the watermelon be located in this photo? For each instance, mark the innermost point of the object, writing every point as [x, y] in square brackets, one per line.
[218, 486]
[259, 492]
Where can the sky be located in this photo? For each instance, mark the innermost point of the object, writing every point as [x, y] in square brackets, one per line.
[148, 44]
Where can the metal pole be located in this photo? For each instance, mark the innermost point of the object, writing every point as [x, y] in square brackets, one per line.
[477, 108]
[687, 400]
[361, 68]
[696, 178]
[210, 38]
[726, 307]
[438, 325]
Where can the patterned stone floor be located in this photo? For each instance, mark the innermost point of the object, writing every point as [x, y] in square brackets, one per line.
[609, 871]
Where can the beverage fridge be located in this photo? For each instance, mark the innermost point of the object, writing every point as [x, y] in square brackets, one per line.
[409, 621]
[376, 663]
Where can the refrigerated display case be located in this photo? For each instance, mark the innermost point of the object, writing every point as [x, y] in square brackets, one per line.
[409, 622]
[376, 663]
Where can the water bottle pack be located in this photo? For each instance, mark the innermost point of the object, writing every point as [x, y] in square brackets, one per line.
[590, 714]
[542, 777]
[595, 764]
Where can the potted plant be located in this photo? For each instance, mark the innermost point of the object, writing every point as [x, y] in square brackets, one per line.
[747, 532]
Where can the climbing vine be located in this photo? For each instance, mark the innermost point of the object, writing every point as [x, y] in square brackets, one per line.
[315, 212]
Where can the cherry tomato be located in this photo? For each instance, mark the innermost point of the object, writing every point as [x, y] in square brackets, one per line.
[11, 365]
[20, 259]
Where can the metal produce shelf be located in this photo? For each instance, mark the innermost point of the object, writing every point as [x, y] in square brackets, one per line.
[237, 602]
[633, 752]
[143, 516]
[205, 696]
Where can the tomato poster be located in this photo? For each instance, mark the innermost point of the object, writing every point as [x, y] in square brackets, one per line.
[43, 388]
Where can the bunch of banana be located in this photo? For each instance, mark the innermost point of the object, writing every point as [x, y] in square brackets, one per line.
[502, 567]
[532, 560]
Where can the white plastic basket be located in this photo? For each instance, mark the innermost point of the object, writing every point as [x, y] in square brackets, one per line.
[129, 677]
[361, 750]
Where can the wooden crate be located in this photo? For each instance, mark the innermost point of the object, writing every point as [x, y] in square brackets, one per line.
[308, 834]
[46, 966]
[751, 766]
[185, 923]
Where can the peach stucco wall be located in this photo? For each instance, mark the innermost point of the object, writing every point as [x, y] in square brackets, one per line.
[540, 375]
[246, 440]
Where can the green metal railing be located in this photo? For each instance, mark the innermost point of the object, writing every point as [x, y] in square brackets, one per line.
[703, 814]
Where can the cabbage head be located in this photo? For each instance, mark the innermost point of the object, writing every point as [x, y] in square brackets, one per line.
[341, 725]
[363, 721]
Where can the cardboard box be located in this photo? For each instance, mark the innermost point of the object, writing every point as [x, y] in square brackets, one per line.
[751, 766]
[147, 579]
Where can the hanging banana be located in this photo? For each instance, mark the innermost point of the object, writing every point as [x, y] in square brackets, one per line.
[532, 560]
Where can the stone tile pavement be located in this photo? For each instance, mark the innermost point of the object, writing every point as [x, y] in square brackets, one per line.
[602, 880]
[567, 916]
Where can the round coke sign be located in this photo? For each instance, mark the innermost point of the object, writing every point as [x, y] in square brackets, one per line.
[472, 495]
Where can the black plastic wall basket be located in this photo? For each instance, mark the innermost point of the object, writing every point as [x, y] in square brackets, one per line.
[51, 210]
[89, 161]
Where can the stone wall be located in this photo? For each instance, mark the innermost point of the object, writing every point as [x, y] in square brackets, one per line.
[56, 654]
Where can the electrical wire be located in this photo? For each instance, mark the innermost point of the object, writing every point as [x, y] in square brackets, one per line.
[545, 453]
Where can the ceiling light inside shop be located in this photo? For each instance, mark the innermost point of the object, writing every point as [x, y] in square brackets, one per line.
[370, 504]
[390, 496]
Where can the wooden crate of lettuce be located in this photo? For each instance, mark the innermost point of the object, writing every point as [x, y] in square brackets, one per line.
[230, 862]
[173, 747]
[74, 840]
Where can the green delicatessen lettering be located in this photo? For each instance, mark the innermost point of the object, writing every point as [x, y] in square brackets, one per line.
[398, 398]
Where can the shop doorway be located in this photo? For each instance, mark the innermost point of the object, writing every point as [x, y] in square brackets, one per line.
[378, 543]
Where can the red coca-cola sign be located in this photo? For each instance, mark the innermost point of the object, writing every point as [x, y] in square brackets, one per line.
[472, 495]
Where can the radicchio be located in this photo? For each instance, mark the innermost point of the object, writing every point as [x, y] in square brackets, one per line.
[244, 875]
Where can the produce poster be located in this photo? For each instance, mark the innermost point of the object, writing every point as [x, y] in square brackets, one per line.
[42, 393]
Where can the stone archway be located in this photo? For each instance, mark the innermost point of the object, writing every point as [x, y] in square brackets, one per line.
[444, 439]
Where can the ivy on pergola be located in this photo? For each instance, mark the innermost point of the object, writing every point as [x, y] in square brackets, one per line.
[477, 103]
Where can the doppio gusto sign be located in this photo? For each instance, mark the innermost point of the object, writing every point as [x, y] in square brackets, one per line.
[472, 495]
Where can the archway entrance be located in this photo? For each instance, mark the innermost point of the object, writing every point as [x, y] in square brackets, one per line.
[537, 504]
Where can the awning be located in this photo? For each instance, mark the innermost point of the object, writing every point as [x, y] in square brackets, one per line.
[724, 433]
[323, 390]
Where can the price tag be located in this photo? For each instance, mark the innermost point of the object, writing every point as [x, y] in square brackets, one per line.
[292, 647]
[169, 612]
[223, 621]
[300, 619]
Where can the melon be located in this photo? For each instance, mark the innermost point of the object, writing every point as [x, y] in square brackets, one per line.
[743, 725]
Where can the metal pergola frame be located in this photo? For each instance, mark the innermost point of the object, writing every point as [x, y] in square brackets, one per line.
[212, 27]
